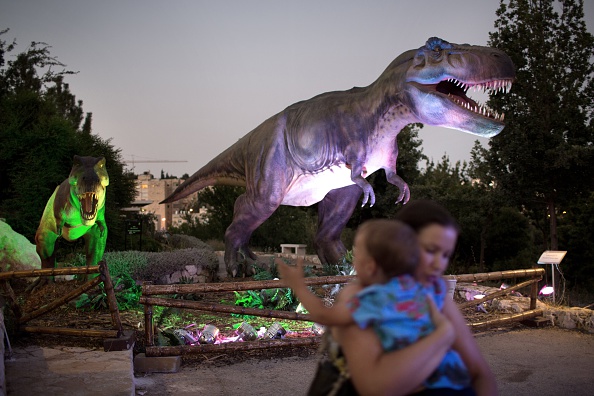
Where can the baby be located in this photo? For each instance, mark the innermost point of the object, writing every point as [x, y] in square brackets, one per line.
[385, 295]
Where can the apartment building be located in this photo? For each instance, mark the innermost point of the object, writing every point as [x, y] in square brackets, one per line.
[151, 191]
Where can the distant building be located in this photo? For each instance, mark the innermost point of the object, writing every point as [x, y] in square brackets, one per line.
[151, 191]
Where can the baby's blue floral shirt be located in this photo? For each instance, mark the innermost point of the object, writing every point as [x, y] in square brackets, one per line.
[398, 311]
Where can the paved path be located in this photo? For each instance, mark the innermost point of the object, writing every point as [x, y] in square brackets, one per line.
[541, 362]
[61, 371]
[528, 362]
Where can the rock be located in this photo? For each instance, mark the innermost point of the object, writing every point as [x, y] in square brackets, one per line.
[571, 318]
[16, 252]
[563, 317]
[181, 266]
[513, 304]
[191, 270]
[191, 274]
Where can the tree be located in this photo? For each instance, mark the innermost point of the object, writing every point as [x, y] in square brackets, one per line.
[543, 159]
[219, 202]
[450, 186]
[42, 127]
[576, 233]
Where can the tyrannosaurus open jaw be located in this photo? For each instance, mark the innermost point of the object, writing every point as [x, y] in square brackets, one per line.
[88, 181]
[440, 76]
[447, 104]
[456, 91]
[89, 204]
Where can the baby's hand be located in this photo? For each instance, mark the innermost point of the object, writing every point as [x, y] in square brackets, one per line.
[291, 275]
[440, 321]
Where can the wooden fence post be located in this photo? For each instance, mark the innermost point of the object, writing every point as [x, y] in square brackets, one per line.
[148, 321]
[111, 298]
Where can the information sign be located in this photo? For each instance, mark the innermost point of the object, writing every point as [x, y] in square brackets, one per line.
[133, 227]
[552, 257]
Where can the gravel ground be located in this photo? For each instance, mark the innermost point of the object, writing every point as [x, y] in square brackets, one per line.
[526, 362]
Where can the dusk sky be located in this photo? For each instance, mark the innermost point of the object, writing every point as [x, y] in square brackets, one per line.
[183, 80]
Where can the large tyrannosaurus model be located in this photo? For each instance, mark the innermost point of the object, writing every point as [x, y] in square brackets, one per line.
[322, 149]
[76, 209]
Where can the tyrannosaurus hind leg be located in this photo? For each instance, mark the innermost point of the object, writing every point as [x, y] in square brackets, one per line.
[45, 243]
[248, 214]
[334, 211]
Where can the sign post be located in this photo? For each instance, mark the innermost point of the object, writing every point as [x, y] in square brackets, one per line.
[552, 257]
[134, 227]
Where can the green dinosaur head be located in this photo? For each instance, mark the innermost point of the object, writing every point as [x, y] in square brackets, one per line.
[439, 76]
[88, 181]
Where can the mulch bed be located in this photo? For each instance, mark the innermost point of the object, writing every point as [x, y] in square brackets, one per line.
[68, 316]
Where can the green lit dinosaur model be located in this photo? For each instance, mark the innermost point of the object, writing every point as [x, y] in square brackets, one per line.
[76, 210]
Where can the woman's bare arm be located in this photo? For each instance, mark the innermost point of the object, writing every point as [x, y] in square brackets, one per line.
[374, 372]
[483, 380]
[337, 315]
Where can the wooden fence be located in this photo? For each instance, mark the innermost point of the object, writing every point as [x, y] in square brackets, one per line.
[149, 300]
[535, 274]
[22, 318]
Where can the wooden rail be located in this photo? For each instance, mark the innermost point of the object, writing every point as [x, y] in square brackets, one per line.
[535, 273]
[22, 319]
[149, 302]
[188, 288]
[49, 272]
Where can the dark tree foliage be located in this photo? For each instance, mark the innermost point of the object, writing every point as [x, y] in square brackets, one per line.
[219, 202]
[543, 159]
[510, 242]
[509, 247]
[42, 127]
[450, 186]
[576, 235]
[288, 224]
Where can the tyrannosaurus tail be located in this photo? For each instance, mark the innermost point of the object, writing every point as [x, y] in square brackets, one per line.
[225, 169]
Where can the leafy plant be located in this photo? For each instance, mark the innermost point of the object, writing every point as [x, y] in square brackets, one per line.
[281, 299]
[249, 299]
[278, 299]
[344, 267]
[167, 317]
[86, 301]
[127, 295]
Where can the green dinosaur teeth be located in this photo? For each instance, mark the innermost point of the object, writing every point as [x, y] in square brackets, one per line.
[88, 207]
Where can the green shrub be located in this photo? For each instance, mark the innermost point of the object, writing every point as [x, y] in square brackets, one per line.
[179, 241]
[119, 263]
[277, 299]
[165, 263]
[128, 268]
